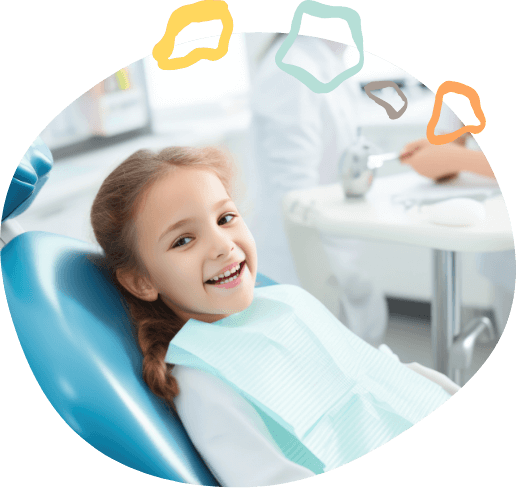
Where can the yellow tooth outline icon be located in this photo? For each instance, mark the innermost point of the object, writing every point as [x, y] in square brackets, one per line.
[202, 11]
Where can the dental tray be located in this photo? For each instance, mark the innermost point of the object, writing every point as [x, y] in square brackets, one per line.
[466, 185]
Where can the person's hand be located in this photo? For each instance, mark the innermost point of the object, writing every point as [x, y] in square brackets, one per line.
[412, 147]
[436, 162]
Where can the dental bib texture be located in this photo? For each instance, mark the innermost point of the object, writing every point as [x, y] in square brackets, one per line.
[326, 396]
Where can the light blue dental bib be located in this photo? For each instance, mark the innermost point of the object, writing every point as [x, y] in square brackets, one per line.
[326, 396]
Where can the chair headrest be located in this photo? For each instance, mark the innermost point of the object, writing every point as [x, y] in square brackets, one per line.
[29, 177]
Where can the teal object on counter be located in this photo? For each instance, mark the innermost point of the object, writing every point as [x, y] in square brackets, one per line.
[329, 395]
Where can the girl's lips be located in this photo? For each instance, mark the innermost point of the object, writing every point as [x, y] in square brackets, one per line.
[241, 269]
[224, 270]
[236, 282]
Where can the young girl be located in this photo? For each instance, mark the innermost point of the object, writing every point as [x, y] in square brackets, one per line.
[269, 385]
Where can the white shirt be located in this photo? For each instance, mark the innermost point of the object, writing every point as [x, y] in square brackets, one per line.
[298, 138]
[232, 438]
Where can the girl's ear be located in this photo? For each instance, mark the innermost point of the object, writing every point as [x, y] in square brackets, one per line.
[136, 284]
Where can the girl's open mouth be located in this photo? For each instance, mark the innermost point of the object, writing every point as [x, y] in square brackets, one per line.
[231, 280]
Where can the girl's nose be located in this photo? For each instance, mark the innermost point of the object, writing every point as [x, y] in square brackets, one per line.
[220, 244]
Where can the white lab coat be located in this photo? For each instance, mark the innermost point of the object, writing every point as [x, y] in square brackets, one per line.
[498, 267]
[298, 138]
[232, 438]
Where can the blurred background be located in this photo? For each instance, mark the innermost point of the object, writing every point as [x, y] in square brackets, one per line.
[142, 106]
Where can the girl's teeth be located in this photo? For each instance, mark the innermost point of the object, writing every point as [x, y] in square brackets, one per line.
[229, 280]
[227, 273]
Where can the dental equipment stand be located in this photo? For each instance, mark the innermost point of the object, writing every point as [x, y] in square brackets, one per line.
[307, 213]
[452, 351]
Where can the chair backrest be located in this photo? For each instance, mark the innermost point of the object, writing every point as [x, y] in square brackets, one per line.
[82, 349]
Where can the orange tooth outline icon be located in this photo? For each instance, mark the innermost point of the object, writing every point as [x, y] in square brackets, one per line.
[475, 103]
[203, 11]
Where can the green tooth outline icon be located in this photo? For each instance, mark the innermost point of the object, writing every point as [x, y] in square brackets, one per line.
[321, 11]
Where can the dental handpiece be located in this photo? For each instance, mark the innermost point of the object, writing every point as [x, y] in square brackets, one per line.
[377, 160]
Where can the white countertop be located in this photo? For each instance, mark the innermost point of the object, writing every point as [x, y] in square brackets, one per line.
[376, 217]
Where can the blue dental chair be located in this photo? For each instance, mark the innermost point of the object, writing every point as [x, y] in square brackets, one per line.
[81, 345]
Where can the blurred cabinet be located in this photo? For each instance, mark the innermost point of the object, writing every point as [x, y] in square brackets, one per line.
[119, 112]
[117, 105]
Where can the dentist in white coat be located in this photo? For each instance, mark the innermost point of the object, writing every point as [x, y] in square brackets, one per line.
[298, 138]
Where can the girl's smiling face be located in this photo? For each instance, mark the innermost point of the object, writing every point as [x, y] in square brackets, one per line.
[188, 233]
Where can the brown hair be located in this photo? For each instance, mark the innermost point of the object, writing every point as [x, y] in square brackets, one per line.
[112, 217]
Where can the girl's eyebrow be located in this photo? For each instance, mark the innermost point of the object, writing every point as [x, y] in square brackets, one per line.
[183, 222]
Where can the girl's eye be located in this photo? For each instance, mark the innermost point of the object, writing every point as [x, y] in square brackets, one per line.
[179, 240]
[229, 215]
[183, 238]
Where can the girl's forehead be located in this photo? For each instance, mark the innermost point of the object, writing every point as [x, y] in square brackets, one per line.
[190, 171]
[184, 189]
[194, 184]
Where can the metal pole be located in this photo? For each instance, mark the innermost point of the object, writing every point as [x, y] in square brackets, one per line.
[445, 309]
